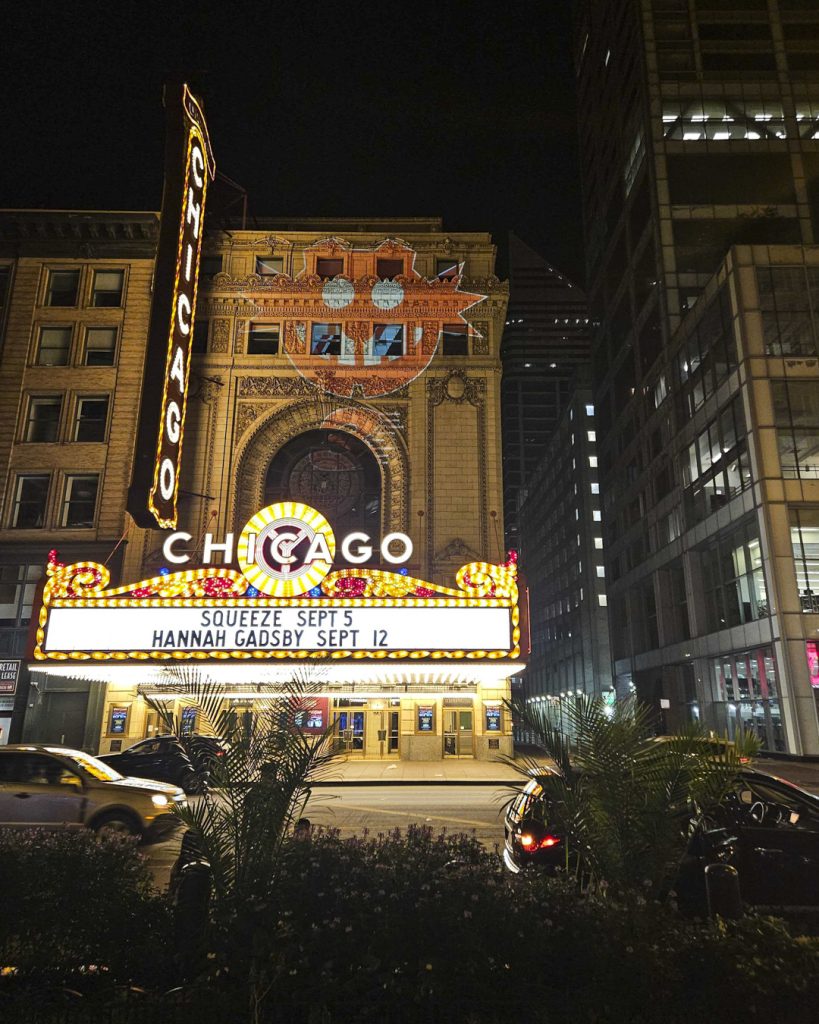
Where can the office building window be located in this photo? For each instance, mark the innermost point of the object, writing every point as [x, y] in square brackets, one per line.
[17, 586]
[80, 501]
[447, 269]
[796, 415]
[716, 466]
[325, 340]
[43, 422]
[387, 269]
[263, 339]
[708, 356]
[30, 496]
[91, 420]
[201, 329]
[62, 287]
[805, 544]
[733, 580]
[269, 266]
[746, 690]
[54, 346]
[454, 338]
[100, 346]
[388, 339]
[108, 285]
[789, 300]
[328, 268]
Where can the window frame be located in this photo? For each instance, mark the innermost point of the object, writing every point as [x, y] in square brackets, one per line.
[65, 505]
[77, 419]
[403, 340]
[16, 499]
[46, 296]
[330, 259]
[262, 324]
[268, 259]
[331, 349]
[32, 401]
[462, 332]
[39, 329]
[447, 273]
[92, 295]
[114, 351]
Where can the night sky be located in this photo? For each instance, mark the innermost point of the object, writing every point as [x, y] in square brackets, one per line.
[459, 109]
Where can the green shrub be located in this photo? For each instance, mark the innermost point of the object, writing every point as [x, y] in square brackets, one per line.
[78, 902]
[401, 923]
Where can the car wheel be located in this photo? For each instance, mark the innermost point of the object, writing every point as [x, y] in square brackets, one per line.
[116, 823]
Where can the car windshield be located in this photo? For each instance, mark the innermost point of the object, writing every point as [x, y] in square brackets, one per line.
[90, 765]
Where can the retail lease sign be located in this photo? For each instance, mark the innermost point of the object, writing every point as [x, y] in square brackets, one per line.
[189, 165]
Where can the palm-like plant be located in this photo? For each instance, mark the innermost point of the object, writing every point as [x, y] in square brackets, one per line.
[258, 788]
[623, 800]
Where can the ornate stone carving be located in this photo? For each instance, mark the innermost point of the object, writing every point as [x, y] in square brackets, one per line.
[275, 387]
[480, 337]
[239, 336]
[295, 337]
[220, 335]
[209, 388]
[458, 549]
[246, 413]
[456, 387]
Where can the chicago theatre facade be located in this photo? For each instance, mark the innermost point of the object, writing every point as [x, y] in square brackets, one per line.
[326, 486]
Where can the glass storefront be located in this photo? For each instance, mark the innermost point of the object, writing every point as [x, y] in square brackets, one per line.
[746, 697]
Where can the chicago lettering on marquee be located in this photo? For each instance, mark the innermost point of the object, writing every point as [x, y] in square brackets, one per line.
[189, 165]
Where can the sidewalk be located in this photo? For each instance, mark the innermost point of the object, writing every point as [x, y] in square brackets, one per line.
[450, 771]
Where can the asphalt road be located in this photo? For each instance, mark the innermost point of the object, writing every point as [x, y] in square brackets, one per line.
[471, 809]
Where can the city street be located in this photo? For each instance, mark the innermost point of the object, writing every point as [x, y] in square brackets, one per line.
[354, 809]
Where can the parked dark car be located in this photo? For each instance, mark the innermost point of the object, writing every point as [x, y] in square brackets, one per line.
[766, 827]
[163, 758]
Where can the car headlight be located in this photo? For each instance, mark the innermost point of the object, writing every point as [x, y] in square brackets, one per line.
[158, 800]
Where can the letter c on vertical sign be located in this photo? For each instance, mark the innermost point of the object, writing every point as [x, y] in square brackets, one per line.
[197, 165]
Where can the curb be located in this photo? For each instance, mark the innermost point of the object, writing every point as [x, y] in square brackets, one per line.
[328, 784]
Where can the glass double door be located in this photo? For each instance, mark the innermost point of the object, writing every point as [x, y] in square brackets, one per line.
[365, 733]
[458, 733]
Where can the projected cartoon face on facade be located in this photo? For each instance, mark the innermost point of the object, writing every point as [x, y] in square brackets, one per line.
[376, 323]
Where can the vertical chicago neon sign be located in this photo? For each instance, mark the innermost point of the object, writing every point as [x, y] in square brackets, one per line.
[189, 165]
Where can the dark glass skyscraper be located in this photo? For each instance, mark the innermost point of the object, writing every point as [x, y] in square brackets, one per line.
[545, 340]
[699, 138]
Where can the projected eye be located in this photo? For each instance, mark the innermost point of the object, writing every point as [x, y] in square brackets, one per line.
[387, 294]
[337, 294]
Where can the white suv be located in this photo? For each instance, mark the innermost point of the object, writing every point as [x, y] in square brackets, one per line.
[56, 787]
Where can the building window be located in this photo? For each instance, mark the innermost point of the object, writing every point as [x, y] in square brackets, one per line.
[325, 340]
[80, 501]
[716, 467]
[108, 285]
[746, 692]
[447, 269]
[263, 339]
[210, 266]
[598, 543]
[733, 580]
[595, 488]
[329, 268]
[796, 415]
[601, 572]
[789, 300]
[388, 269]
[269, 266]
[30, 498]
[388, 339]
[593, 461]
[602, 600]
[54, 346]
[62, 287]
[43, 422]
[455, 340]
[17, 586]
[596, 516]
[805, 544]
[92, 418]
[201, 328]
[100, 346]
[590, 410]
[591, 435]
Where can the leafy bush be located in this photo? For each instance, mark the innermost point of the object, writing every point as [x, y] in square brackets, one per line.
[418, 927]
[78, 902]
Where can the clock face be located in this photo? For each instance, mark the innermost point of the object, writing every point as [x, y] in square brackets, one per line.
[377, 322]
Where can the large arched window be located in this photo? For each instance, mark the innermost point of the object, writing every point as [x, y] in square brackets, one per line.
[331, 471]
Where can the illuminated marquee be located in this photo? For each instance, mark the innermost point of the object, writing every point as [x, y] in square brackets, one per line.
[217, 614]
[152, 501]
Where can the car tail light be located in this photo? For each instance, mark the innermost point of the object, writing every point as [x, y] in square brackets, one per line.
[531, 843]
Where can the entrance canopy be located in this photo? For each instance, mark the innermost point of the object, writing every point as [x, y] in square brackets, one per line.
[359, 628]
